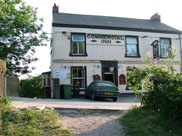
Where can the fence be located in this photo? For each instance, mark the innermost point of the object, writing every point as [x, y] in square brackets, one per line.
[12, 86]
[9, 86]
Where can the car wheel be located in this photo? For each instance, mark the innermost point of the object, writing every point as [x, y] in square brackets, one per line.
[93, 96]
[115, 99]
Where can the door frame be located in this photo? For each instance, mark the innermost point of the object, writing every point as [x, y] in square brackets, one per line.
[107, 64]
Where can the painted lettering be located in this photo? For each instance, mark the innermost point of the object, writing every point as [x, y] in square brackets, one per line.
[106, 41]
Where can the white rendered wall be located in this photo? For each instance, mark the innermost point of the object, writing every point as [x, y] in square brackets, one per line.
[96, 53]
[108, 52]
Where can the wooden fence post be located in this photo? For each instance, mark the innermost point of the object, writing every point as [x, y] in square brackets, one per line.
[2, 80]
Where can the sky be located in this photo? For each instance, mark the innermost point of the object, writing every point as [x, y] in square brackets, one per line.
[170, 11]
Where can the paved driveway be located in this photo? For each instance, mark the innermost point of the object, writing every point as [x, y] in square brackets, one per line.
[123, 103]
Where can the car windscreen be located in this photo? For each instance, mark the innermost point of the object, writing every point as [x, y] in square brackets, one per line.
[104, 84]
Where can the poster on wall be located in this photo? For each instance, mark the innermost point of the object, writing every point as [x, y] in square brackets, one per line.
[63, 73]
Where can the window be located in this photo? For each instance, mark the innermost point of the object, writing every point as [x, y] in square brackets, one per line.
[165, 47]
[130, 81]
[46, 80]
[78, 47]
[132, 49]
[78, 76]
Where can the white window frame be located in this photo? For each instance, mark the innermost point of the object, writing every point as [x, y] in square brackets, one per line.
[45, 77]
[137, 46]
[77, 44]
[166, 55]
[82, 78]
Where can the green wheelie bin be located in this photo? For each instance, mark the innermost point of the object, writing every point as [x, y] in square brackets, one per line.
[67, 91]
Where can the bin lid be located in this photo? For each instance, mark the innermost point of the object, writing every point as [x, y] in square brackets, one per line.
[66, 84]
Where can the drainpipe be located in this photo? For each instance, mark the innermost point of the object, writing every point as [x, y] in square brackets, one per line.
[180, 51]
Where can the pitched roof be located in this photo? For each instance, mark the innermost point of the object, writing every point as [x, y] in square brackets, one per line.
[113, 23]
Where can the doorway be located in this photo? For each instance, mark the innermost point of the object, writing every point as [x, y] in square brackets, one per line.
[109, 76]
[110, 71]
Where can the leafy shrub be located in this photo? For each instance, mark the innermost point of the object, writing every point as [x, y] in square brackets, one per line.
[5, 101]
[31, 87]
[163, 88]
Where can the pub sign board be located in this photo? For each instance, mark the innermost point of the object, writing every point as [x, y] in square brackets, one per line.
[104, 39]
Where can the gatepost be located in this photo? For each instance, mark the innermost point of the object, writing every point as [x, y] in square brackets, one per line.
[2, 79]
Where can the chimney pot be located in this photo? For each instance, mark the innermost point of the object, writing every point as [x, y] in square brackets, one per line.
[55, 8]
[156, 17]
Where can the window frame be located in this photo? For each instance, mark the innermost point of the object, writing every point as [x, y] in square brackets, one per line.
[137, 46]
[47, 79]
[71, 45]
[85, 75]
[130, 68]
[170, 43]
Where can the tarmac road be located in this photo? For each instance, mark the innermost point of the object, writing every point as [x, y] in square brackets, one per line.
[123, 103]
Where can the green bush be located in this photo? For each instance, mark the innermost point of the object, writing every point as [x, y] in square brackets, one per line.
[163, 88]
[5, 101]
[31, 87]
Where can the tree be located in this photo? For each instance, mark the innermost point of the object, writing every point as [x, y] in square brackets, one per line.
[31, 87]
[20, 33]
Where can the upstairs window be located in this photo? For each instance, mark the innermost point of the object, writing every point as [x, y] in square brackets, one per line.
[78, 45]
[132, 49]
[165, 47]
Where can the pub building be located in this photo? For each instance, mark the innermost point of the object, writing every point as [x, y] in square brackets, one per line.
[89, 47]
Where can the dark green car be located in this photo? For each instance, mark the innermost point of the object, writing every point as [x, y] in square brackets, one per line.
[102, 89]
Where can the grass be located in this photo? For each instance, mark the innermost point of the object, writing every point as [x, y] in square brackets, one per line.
[30, 122]
[82, 111]
[146, 122]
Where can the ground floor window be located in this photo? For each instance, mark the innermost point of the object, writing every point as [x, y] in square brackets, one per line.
[110, 71]
[78, 77]
[165, 47]
[46, 80]
[130, 86]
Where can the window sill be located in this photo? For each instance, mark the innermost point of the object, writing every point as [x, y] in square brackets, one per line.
[164, 57]
[133, 56]
[130, 88]
[84, 55]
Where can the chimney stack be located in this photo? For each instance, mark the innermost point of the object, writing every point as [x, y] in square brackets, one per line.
[55, 8]
[156, 17]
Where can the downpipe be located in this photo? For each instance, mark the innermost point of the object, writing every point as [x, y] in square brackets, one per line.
[180, 51]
